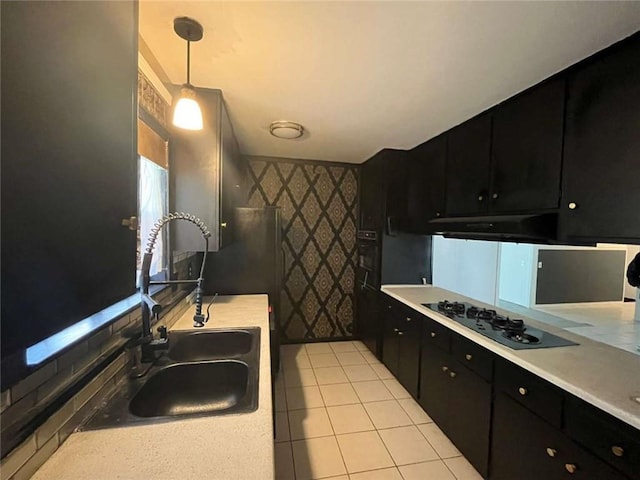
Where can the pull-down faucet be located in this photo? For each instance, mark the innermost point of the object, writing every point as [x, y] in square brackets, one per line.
[149, 306]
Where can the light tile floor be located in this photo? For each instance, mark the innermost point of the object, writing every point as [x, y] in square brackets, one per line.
[341, 415]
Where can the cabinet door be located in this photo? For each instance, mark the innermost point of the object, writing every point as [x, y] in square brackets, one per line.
[470, 415]
[435, 384]
[69, 72]
[526, 150]
[468, 164]
[391, 339]
[600, 193]
[395, 196]
[368, 318]
[233, 179]
[371, 194]
[426, 184]
[409, 353]
[525, 447]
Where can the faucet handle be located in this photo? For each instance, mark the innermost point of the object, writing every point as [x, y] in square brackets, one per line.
[162, 330]
[198, 320]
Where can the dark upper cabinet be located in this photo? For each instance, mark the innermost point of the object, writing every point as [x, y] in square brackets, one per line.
[468, 167]
[69, 73]
[209, 175]
[526, 150]
[383, 191]
[600, 190]
[426, 183]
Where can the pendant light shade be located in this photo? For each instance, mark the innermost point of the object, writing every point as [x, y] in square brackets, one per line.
[187, 113]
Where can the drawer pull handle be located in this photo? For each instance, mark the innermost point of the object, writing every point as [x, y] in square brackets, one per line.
[571, 467]
[395, 330]
[445, 368]
[433, 334]
[523, 391]
[400, 333]
[617, 451]
[452, 374]
[408, 319]
[551, 451]
[468, 356]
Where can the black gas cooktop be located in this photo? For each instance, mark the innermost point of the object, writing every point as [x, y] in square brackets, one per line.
[510, 332]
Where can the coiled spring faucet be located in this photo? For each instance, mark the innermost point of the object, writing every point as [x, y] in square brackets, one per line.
[149, 305]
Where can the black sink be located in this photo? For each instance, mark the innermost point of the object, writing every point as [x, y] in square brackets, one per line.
[205, 345]
[205, 373]
[192, 388]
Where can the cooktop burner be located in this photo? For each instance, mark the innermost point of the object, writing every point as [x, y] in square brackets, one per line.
[511, 332]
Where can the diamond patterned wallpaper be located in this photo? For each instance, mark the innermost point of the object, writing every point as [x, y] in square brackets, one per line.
[318, 202]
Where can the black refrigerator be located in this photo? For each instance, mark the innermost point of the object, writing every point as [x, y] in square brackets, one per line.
[252, 264]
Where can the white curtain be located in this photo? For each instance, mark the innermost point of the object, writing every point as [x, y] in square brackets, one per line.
[153, 204]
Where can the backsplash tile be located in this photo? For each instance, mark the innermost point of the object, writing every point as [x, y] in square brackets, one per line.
[27, 398]
[318, 202]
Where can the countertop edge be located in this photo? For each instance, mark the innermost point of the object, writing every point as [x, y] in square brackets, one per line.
[625, 415]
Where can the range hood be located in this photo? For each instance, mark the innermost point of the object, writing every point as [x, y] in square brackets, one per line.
[541, 228]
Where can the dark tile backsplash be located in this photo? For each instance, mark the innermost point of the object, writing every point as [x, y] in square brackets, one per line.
[25, 446]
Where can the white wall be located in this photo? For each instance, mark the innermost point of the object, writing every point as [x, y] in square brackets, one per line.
[517, 272]
[468, 267]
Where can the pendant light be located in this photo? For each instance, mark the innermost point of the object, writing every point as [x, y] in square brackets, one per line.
[187, 113]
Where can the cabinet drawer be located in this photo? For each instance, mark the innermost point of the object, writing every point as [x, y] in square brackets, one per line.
[435, 334]
[472, 356]
[536, 394]
[615, 442]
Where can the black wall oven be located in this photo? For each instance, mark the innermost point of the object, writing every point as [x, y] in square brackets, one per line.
[368, 272]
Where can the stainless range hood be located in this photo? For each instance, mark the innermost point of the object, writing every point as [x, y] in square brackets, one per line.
[541, 228]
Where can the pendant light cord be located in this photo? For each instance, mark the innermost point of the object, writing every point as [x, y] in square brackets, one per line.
[188, 62]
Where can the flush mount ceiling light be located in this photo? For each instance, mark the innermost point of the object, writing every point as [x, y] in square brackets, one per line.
[187, 113]
[286, 130]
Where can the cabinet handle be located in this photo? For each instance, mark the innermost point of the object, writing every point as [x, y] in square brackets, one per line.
[445, 368]
[523, 391]
[468, 356]
[395, 330]
[131, 223]
[495, 196]
[573, 205]
[223, 225]
[433, 334]
[480, 198]
[452, 374]
[617, 451]
[438, 214]
[400, 333]
[408, 319]
[551, 451]
[571, 467]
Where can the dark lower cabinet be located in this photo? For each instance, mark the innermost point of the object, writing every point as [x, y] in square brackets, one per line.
[369, 329]
[525, 447]
[401, 344]
[456, 398]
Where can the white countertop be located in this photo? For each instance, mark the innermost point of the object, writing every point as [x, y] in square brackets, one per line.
[223, 447]
[604, 376]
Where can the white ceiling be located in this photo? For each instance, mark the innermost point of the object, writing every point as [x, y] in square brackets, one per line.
[361, 76]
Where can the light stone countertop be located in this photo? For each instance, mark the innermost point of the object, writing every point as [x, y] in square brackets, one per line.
[602, 375]
[223, 447]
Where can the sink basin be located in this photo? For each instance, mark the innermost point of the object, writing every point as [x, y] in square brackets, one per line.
[205, 345]
[192, 388]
